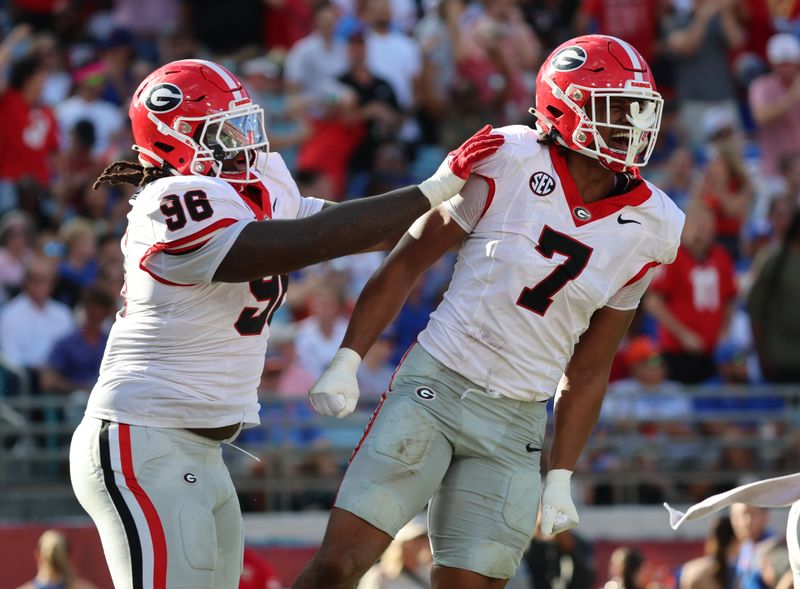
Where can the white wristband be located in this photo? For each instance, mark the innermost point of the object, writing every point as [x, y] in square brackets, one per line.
[559, 476]
[345, 359]
[442, 186]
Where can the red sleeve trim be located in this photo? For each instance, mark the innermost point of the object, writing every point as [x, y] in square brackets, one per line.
[183, 245]
[490, 197]
[640, 274]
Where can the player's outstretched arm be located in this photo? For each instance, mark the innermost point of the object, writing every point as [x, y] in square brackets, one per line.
[336, 391]
[276, 247]
[577, 407]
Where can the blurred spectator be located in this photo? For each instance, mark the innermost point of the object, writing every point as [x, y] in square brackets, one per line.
[74, 361]
[634, 21]
[693, 299]
[86, 104]
[286, 22]
[626, 569]
[725, 185]
[731, 365]
[336, 131]
[225, 32]
[53, 569]
[318, 59]
[775, 100]
[392, 56]
[413, 318]
[377, 104]
[773, 310]
[28, 132]
[116, 57]
[563, 561]
[714, 570]
[319, 335]
[291, 379]
[32, 322]
[700, 39]
[679, 177]
[285, 114]
[58, 81]
[406, 563]
[78, 168]
[750, 527]
[257, 573]
[646, 395]
[78, 268]
[147, 19]
[16, 234]
[376, 370]
[775, 563]
[498, 54]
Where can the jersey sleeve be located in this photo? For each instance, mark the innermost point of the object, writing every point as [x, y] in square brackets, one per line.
[627, 298]
[467, 207]
[520, 142]
[287, 201]
[193, 227]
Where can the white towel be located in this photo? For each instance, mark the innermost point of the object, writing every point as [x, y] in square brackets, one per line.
[776, 492]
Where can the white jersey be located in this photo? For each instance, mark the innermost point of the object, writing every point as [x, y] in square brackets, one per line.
[538, 262]
[185, 351]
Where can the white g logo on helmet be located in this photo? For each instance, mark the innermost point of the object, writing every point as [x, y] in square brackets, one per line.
[163, 98]
[569, 58]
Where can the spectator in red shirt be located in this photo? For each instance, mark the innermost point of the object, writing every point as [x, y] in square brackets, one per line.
[693, 299]
[257, 573]
[634, 21]
[28, 132]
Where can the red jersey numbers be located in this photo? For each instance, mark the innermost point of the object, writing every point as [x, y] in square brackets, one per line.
[270, 291]
[539, 298]
[194, 205]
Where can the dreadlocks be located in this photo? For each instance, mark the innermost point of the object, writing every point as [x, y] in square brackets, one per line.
[128, 173]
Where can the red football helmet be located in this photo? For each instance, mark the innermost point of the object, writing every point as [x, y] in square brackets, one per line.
[190, 116]
[574, 92]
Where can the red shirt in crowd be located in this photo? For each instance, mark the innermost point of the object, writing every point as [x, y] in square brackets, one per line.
[634, 21]
[28, 134]
[257, 573]
[696, 292]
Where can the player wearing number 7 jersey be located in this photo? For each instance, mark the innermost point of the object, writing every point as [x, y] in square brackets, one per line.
[211, 235]
[558, 239]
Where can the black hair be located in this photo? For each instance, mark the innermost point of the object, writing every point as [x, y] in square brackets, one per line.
[95, 295]
[719, 542]
[24, 69]
[85, 132]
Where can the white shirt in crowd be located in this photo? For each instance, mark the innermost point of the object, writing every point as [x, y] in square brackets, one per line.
[314, 350]
[28, 332]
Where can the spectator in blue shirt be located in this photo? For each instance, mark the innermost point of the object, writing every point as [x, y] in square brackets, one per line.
[74, 361]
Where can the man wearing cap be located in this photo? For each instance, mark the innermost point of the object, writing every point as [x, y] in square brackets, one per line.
[774, 100]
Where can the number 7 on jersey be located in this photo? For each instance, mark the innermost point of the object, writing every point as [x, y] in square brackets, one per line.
[539, 298]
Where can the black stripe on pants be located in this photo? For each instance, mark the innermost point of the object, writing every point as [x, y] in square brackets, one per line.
[125, 515]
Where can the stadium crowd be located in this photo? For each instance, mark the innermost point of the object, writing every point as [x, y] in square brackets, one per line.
[363, 96]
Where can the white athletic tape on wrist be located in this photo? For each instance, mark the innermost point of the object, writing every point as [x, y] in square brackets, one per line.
[442, 186]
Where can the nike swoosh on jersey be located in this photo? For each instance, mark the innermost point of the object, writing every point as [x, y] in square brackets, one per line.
[531, 447]
[622, 221]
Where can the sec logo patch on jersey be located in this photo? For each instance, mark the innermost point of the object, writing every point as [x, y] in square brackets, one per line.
[542, 183]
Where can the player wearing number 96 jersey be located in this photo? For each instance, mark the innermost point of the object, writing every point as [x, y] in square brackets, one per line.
[558, 238]
[215, 228]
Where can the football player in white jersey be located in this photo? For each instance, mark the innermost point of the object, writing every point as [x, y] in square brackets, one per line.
[558, 237]
[211, 235]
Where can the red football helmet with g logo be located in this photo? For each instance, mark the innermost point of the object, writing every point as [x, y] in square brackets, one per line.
[192, 115]
[574, 92]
